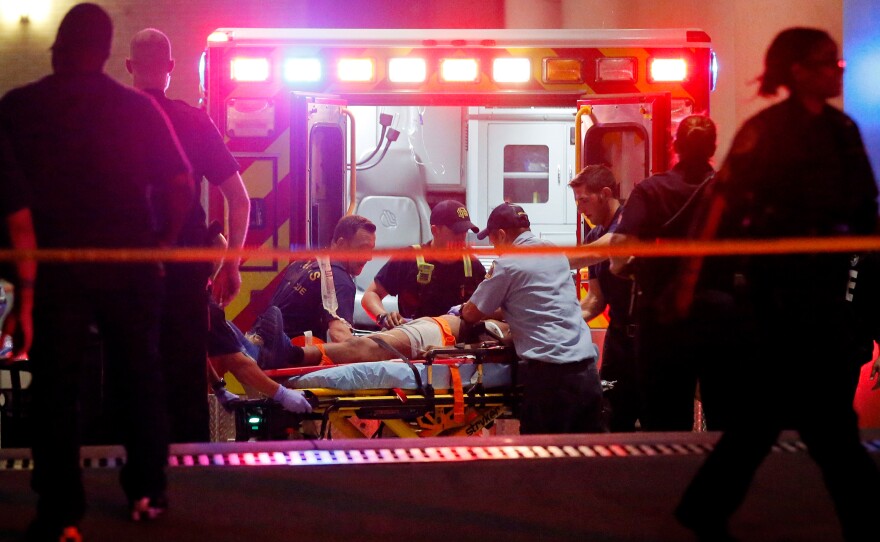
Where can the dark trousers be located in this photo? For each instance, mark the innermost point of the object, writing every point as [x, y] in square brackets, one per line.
[802, 384]
[623, 401]
[124, 306]
[562, 398]
[183, 348]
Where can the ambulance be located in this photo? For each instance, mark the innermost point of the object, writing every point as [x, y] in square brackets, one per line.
[386, 122]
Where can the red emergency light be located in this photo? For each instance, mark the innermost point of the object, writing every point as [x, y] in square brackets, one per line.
[511, 70]
[249, 69]
[667, 69]
[459, 70]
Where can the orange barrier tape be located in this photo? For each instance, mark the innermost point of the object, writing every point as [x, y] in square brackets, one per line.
[660, 248]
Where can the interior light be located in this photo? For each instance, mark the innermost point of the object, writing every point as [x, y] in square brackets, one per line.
[302, 70]
[459, 69]
[563, 70]
[219, 36]
[713, 68]
[355, 69]
[407, 70]
[668, 69]
[511, 70]
[616, 69]
[250, 69]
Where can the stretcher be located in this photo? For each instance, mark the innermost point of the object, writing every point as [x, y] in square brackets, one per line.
[456, 391]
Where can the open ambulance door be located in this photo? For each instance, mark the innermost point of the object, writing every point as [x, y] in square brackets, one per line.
[319, 182]
[628, 133]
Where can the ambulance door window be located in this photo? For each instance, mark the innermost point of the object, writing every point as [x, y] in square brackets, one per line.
[621, 147]
[326, 182]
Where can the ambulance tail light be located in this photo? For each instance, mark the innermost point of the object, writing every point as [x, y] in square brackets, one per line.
[407, 70]
[511, 70]
[616, 69]
[302, 70]
[355, 70]
[667, 69]
[249, 69]
[563, 70]
[459, 70]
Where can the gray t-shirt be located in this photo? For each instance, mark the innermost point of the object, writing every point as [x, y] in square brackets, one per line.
[539, 302]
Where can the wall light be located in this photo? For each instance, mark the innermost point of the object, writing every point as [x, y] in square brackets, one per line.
[25, 11]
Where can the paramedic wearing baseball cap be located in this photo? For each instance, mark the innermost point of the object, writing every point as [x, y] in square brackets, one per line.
[429, 285]
[536, 296]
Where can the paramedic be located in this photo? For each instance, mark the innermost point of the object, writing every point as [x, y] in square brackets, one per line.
[535, 296]
[428, 286]
[596, 194]
[185, 308]
[671, 353]
[796, 169]
[299, 297]
[94, 152]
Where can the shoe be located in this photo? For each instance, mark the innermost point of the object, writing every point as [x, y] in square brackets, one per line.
[148, 508]
[38, 531]
[268, 333]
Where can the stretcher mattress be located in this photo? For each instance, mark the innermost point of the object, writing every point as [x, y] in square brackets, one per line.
[377, 375]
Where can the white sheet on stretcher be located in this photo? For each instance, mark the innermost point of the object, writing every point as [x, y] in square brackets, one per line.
[376, 375]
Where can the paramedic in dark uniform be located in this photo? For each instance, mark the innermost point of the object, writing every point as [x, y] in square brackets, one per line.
[796, 169]
[672, 352]
[185, 311]
[16, 278]
[536, 297]
[595, 191]
[428, 286]
[299, 296]
[99, 158]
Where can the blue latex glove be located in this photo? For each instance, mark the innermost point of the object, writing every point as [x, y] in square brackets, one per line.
[455, 311]
[292, 400]
[226, 398]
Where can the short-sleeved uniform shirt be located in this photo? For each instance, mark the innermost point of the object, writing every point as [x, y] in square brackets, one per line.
[299, 298]
[448, 286]
[13, 198]
[539, 301]
[616, 290]
[92, 151]
[208, 156]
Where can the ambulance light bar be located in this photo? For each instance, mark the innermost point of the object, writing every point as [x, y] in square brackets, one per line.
[511, 70]
[302, 70]
[667, 69]
[355, 70]
[407, 70]
[459, 70]
[249, 69]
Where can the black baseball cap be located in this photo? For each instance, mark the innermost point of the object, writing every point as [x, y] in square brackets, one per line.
[86, 26]
[454, 215]
[505, 216]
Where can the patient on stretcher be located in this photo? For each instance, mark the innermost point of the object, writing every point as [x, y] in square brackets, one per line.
[412, 340]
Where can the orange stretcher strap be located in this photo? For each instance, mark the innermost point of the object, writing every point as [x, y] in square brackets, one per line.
[448, 337]
[457, 394]
[325, 359]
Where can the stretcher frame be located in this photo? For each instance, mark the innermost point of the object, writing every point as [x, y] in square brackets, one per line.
[425, 411]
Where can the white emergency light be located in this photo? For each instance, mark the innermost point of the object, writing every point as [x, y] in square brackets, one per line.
[511, 70]
[459, 70]
[302, 70]
[355, 70]
[667, 69]
[249, 69]
[407, 70]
